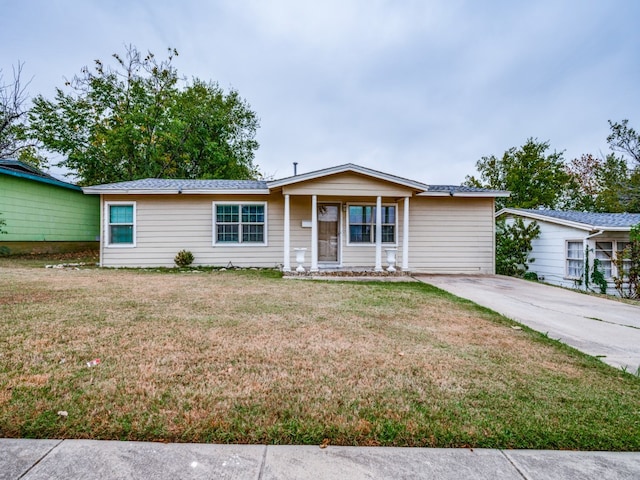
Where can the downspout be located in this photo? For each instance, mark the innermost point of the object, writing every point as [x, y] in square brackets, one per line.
[588, 261]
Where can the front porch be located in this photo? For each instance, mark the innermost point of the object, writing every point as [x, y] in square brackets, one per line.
[352, 236]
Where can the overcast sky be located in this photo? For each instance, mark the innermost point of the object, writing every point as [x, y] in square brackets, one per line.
[420, 89]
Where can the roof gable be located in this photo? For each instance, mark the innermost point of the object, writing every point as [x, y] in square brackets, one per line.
[582, 220]
[348, 167]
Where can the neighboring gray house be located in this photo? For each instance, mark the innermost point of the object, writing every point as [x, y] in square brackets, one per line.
[568, 239]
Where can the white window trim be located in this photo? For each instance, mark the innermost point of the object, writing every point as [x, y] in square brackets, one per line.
[214, 233]
[614, 254]
[371, 244]
[566, 259]
[107, 223]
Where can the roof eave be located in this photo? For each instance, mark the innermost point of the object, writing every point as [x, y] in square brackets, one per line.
[464, 194]
[37, 178]
[173, 191]
[560, 221]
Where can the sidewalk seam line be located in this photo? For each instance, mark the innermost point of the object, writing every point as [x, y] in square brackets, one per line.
[40, 459]
[264, 461]
[513, 464]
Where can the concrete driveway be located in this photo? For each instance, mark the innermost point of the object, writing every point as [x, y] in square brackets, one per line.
[604, 328]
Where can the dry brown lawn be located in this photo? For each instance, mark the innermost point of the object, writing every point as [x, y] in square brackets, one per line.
[250, 357]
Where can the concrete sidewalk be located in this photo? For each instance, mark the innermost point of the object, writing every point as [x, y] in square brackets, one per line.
[91, 459]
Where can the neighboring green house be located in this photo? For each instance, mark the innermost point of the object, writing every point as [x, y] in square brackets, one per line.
[44, 214]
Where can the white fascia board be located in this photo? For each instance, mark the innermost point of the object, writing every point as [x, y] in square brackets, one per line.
[546, 218]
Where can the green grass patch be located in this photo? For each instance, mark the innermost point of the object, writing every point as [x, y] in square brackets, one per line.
[248, 357]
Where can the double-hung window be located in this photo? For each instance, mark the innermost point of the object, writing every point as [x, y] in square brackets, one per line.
[604, 254]
[575, 259]
[607, 253]
[121, 224]
[239, 223]
[626, 262]
[362, 224]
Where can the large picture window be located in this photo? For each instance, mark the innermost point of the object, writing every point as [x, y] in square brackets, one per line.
[239, 223]
[362, 224]
[121, 224]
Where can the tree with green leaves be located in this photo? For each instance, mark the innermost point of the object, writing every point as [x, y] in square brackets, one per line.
[534, 177]
[598, 185]
[609, 184]
[140, 120]
[626, 141]
[513, 246]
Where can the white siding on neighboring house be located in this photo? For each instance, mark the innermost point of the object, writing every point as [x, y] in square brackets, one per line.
[550, 251]
[451, 235]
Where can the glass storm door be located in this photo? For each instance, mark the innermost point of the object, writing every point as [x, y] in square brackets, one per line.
[328, 228]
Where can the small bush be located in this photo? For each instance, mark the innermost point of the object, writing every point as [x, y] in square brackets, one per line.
[184, 258]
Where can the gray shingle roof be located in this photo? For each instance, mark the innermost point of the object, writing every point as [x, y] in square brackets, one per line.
[460, 188]
[186, 185]
[589, 218]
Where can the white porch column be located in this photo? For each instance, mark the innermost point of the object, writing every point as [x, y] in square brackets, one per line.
[378, 234]
[405, 236]
[287, 236]
[314, 233]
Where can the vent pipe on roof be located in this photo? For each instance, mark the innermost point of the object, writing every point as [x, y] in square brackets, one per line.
[295, 168]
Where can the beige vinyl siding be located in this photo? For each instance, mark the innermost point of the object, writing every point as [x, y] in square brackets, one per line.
[451, 235]
[347, 185]
[446, 235]
[166, 224]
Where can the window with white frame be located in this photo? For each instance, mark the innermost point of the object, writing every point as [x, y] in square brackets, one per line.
[607, 252]
[239, 223]
[575, 259]
[362, 224]
[121, 224]
[626, 262]
[604, 254]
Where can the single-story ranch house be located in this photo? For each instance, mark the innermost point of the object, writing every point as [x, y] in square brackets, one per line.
[569, 242]
[346, 217]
